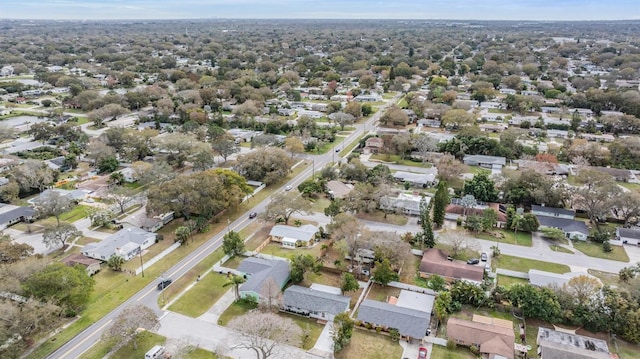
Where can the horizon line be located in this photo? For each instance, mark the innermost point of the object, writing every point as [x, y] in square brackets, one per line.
[311, 18]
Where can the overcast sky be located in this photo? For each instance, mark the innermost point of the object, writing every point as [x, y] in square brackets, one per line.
[343, 9]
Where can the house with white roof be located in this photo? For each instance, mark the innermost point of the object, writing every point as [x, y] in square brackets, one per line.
[127, 243]
[292, 237]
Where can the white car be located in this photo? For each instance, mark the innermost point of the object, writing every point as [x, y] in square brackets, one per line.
[288, 188]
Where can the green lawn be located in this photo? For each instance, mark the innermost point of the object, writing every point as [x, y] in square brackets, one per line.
[197, 300]
[319, 204]
[560, 249]
[399, 161]
[463, 256]
[353, 145]
[370, 345]
[275, 249]
[592, 249]
[378, 216]
[236, 309]
[146, 341]
[306, 324]
[381, 293]
[475, 170]
[635, 187]
[76, 213]
[520, 238]
[524, 264]
[507, 281]
[609, 279]
[439, 352]
[328, 146]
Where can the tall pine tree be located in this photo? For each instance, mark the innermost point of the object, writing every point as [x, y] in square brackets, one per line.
[426, 238]
[440, 202]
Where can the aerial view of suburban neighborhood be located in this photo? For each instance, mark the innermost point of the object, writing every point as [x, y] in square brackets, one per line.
[303, 186]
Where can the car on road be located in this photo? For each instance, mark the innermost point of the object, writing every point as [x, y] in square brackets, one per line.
[165, 283]
[253, 215]
[473, 261]
[483, 257]
[288, 188]
[337, 150]
[422, 353]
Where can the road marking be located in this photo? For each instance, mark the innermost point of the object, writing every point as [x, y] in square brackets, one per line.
[146, 294]
[85, 339]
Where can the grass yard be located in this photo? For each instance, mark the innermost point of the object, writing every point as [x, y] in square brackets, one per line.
[234, 262]
[322, 277]
[634, 187]
[236, 309]
[306, 324]
[378, 216]
[399, 161]
[275, 249]
[319, 204]
[509, 237]
[382, 293]
[326, 147]
[369, 345]
[592, 249]
[609, 279]
[507, 281]
[560, 249]
[463, 256]
[76, 213]
[475, 170]
[353, 145]
[524, 264]
[439, 352]
[197, 300]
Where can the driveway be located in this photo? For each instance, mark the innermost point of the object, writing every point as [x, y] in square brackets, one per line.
[324, 345]
[32, 239]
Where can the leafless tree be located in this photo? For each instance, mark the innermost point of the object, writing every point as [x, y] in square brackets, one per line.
[59, 235]
[264, 333]
[125, 326]
[54, 204]
[121, 196]
[458, 242]
[270, 294]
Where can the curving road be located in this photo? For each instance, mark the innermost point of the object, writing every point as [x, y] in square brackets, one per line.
[148, 296]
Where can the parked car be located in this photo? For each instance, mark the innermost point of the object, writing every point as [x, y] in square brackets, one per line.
[473, 261]
[288, 188]
[337, 150]
[422, 353]
[483, 257]
[163, 284]
[253, 215]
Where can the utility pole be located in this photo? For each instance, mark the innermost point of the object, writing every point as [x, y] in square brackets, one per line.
[141, 264]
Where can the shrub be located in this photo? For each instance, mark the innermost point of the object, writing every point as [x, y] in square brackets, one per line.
[474, 350]
[378, 329]
[606, 247]
[451, 345]
[395, 334]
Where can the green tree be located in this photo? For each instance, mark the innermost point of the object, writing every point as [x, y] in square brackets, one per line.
[108, 165]
[437, 283]
[481, 187]
[59, 235]
[301, 264]
[348, 283]
[425, 237]
[182, 234]
[383, 274]
[541, 303]
[473, 223]
[440, 202]
[342, 331]
[443, 306]
[310, 188]
[115, 263]
[553, 234]
[334, 208]
[68, 287]
[284, 204]
[235, 281]
[489, 218]
[232, 244]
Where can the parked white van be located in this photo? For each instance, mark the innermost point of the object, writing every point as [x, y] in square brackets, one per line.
[155, 352]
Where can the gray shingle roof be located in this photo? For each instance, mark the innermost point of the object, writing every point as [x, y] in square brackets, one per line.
[315, 300]
[259, 270]
[553, 210]
[409, 322]
[303, 233]
[567, 225]
[16, 213]
[629, 232]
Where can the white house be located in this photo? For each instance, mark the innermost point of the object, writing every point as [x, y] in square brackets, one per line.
[127, 243]
[626, 236]
[553, 212]
[292, 237]
[493, 162]
[405, 203]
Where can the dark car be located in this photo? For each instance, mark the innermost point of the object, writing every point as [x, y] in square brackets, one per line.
[163, 284]
[422, 353]
[473, 261]
[483, 257]
[253, 215]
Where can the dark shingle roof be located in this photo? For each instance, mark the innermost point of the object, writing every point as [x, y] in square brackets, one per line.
[629, 232]
[553, 210]
[16, 213]
[409, 322]
[315, 300]
[259, 270]
[567, 225]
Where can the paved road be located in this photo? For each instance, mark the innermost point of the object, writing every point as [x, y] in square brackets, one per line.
[149, 295]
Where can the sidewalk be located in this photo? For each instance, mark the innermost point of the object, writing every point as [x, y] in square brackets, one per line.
[213, 314]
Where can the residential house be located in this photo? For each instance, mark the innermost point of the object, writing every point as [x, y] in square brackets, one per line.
[597, 138]
[572, 229]
[10, 215]
[321, 107]
[429, 123]
[404, 203]
[311, 114]
[487, 127]
[292, 237]
[620, 175]
[337, 189]
[258, 271]
[553, 344]
[547, 279]
[410, 323]
[128, 174]
[494, 337]
[373, 145]
[627, 236]
[557, 134]
[422, 180]
[436, 261]
[508, 91]
[90, 264]
[368, 98]
[319, 302]
[553, 212]
[490, 104]
[492, 162]
[150, 224]
[286, 111]
[545, 168]
[75, 195]
[127, 243]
